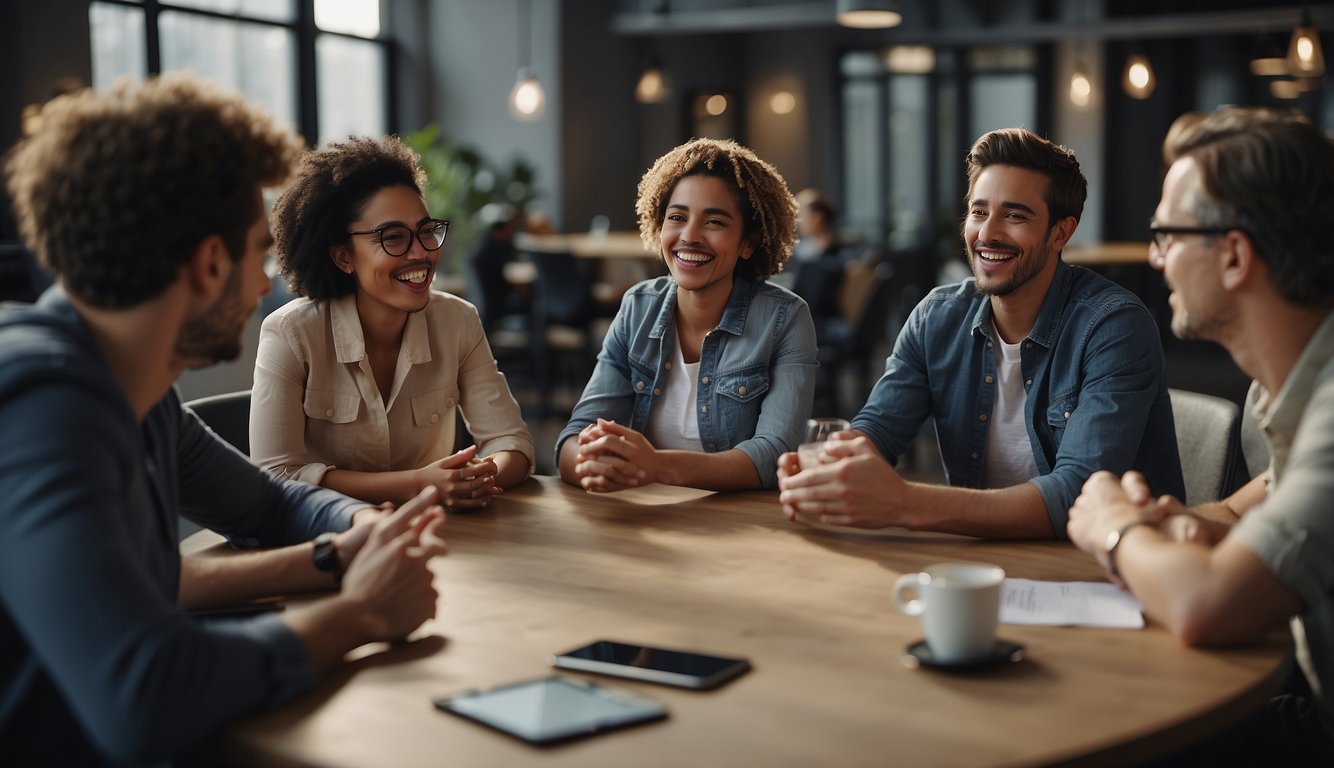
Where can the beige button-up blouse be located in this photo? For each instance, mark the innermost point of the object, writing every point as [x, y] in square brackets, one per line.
[315, 405]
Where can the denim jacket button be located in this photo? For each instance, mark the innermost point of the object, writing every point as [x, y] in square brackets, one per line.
[741, 390]
[1028, 382]
[1067, 414]
[668, 366]
[983, 416]
[639, 385]
[657, 391]
[704, 380]
[989, 380]
[973, 455]
[704, 409]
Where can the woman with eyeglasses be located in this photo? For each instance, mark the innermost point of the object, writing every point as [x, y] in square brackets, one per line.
[358, 380]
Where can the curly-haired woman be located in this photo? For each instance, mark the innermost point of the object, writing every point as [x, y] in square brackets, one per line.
[358, 380]
[707, 374]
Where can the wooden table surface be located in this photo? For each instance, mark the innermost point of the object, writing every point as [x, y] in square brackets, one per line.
[549, 567]
[1104, 254]
[611, 245]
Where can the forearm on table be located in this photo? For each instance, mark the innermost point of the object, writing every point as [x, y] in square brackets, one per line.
[568, 460]
[512, 468]
[1206, 596]
[374, 487]
[1018, 512]
[723, 471]
[208, 582]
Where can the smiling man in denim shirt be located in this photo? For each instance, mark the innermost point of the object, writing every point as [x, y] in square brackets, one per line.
[1036, 373]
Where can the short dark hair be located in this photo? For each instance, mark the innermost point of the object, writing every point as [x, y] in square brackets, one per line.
[331, 187]
[1270, 173]
[1024, 149]
[768, 210]
[117, 188]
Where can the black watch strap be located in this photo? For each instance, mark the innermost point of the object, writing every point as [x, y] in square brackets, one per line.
[326, 556]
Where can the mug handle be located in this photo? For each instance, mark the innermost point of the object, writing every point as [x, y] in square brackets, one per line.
[910, 582]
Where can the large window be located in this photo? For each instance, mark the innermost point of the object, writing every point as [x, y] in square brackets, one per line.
[903, 148]
[318, 65]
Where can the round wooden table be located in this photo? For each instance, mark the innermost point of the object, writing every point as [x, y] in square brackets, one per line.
[548, 567]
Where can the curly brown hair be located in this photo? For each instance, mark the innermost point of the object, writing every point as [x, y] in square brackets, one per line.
[117, 188]
[330, 189]
[767, 207]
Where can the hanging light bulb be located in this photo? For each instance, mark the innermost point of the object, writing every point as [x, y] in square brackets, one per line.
[1139, 81]
[527, 99]
[1081, 88]
[1305, 57]
[654, 86]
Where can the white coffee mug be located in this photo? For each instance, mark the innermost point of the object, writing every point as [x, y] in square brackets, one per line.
[959, 604]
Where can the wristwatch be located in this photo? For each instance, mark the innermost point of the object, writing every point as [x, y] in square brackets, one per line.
[326, 556]
[1114, 540]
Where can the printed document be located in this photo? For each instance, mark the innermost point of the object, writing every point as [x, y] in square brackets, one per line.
[1069, 603]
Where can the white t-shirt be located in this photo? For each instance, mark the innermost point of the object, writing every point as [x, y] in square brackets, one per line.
[673, 423]
[1009, 456]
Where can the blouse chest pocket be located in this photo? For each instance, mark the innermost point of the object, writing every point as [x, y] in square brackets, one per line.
[333, 407]
[745, 387]
[433, 408]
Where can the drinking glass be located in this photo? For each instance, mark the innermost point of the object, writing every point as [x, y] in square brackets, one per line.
[819, 430]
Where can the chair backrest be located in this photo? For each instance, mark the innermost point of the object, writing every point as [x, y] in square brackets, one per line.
[871, 325]
[1209, 439]
[228, 415]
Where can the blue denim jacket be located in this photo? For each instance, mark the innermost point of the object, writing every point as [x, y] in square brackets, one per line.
[756, 372]
[1093, 371]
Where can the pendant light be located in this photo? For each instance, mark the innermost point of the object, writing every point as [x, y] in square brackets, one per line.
[1305, 57]
[1138, 79]
[869, 14]
[1081, 88]
[527, 99]
[654, 85]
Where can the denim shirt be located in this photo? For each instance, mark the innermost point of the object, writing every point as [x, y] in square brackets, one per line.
[1094, 379]
[756, 370]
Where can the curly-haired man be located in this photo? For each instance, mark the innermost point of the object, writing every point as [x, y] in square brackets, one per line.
[145, 203]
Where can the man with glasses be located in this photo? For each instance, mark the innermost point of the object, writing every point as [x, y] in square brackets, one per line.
[1241, 235]
[145, 203]
[1035, 372]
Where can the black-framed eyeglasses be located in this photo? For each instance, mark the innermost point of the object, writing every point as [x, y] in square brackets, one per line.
[1159, 234]
[396, 239]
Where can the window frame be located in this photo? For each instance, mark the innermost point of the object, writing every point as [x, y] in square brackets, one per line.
[305, 33]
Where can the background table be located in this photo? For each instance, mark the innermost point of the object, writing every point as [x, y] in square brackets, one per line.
[549, 567]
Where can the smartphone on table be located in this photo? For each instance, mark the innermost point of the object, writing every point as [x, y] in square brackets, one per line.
[668, 666]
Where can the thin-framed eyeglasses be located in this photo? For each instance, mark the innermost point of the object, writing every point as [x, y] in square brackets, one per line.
[1159, 234]
[396, 239]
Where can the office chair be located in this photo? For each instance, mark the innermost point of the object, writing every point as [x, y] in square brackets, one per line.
[1209, 440]
[228, 415]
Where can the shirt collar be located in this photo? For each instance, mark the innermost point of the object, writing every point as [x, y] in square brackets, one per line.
[350, 342]
[1047, 327]
[734, 314]
[1280, 413]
